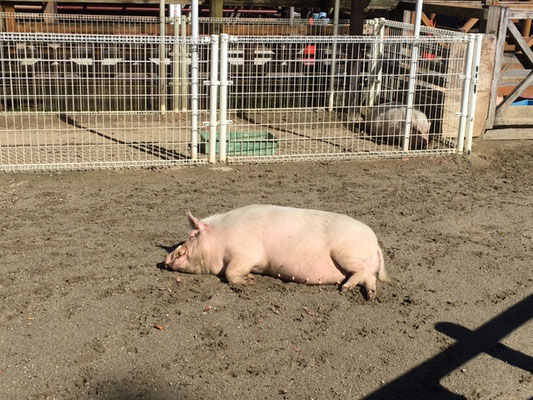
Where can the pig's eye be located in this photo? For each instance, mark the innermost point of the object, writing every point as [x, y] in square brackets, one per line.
[194, 234]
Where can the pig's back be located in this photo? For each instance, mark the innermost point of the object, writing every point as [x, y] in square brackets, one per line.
[274, 230]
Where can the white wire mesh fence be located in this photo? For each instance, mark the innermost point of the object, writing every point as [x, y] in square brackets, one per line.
[271, 26]
[121, 99]
[78, 101]
[143, 25]
[311, 97]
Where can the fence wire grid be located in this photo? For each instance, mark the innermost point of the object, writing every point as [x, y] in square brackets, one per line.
[76, 101]
[116, 99]
[303, 97]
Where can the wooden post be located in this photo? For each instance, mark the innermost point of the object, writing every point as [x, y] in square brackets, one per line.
[526, 28]
[215, 11]
[2, 27]
[50, 7]
[491, 24]
[357, 20]
[10, 25]
[500, 43]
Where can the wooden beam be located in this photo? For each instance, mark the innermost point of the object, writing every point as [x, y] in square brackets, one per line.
[517, 38]
[147, 2]
[452, 9]
[508, 134]
[469, 25]
[517, 91]
[426, 20]
[323, 4]
[521, 14]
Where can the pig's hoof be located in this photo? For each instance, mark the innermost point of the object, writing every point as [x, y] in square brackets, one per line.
[346, 288]
[371, 294]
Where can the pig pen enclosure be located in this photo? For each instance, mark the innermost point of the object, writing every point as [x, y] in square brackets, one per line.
[85, 312]
[123, 94]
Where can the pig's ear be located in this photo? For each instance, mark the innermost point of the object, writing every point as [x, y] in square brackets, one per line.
[195, 224]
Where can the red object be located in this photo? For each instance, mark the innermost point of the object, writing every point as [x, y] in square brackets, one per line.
[309, 54]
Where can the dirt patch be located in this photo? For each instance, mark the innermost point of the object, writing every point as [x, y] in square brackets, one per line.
[86, 314]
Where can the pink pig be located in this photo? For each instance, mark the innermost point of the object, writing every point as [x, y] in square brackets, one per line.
[293, 244]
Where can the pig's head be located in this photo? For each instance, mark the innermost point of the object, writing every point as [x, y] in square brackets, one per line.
[420, 132]
[188, 256]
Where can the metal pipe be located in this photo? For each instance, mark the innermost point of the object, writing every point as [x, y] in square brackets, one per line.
[194, 80]
[465, 93]
[473, 94]
[333, 55]
[223, 118]
[183, 65]
[412, 76]
[213, 88]
[162, 68]
[176, 66]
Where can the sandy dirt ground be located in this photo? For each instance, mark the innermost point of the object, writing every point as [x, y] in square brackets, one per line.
[82, 297]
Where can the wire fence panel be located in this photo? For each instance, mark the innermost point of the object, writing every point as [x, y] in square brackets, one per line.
[311, 97]
[122, 94]
[142, 25]
[271, 26]
[82, 24]
[84, 101]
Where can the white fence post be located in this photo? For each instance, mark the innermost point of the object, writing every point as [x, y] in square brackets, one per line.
[176, 67]
[333, 55]
[213, 88]
[412, 77]
[183, 59]
[465, 93]
[473, 94]
[162, 67]
[223, 119]
[194, 80]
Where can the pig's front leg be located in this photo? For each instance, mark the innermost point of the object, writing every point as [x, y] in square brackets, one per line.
[239, 270]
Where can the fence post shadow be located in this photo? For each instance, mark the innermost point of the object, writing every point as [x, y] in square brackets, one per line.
[423, 380]
[149, 148]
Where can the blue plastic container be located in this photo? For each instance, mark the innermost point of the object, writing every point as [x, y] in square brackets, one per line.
[526, 102]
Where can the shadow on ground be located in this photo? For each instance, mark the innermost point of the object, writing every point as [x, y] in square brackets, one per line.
[423, 380]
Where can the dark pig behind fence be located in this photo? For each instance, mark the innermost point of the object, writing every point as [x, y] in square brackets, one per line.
[386, 122]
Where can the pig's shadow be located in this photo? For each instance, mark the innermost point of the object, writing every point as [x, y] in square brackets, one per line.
[168, 249]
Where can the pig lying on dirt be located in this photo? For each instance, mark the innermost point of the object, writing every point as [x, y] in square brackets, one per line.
[305, 246]
[386, 123]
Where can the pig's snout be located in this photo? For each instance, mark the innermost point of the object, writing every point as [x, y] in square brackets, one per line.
[168, 259]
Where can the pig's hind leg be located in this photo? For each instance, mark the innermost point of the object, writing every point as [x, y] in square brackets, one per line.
[360, 274]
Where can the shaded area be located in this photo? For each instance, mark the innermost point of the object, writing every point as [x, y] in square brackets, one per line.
[149, 148]
[424, 379]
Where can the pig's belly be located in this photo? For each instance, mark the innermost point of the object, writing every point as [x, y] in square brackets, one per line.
[309, 270]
